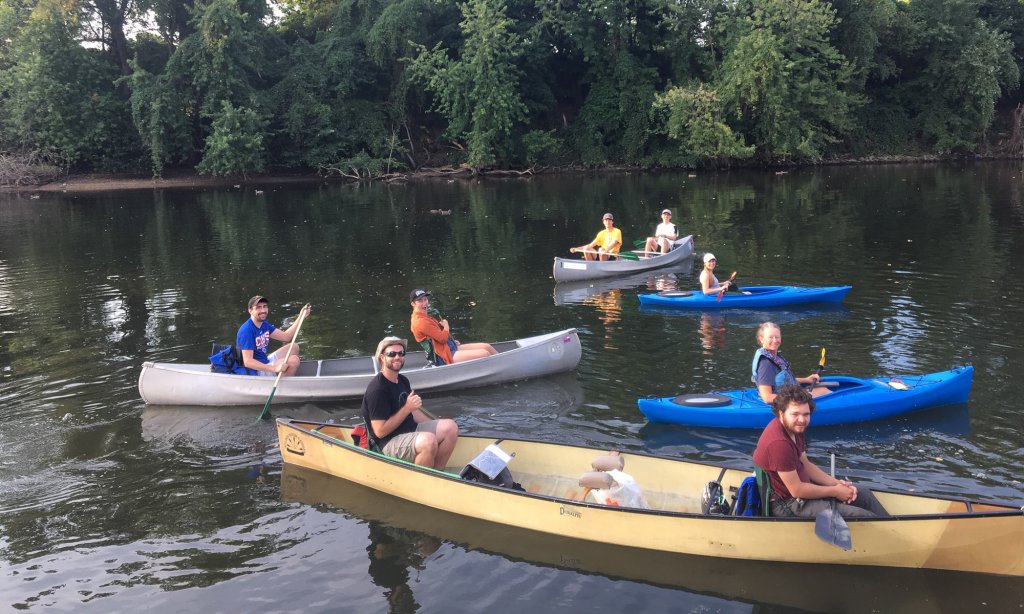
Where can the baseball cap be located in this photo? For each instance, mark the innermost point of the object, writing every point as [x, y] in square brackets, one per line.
[386, 341]
[256, 300]
[666, 211]
[607, 216]
[417, 293]
[709, 256]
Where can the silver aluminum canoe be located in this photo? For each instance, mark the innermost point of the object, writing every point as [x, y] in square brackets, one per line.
[164, 383]
[574, 269]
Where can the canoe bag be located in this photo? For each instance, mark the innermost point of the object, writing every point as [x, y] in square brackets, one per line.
[713, 500]
[490, 467]
[228, 359]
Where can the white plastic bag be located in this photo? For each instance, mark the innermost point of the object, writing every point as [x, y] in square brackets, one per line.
[625, 492]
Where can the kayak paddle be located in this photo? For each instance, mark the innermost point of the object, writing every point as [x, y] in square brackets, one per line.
[731, 277]
[291, 344]
[829, 525]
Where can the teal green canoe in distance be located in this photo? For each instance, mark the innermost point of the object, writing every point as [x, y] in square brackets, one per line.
[852, 400]
[760, 296]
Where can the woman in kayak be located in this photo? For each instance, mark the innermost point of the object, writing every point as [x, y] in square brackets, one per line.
[770, 371]
[709, 284]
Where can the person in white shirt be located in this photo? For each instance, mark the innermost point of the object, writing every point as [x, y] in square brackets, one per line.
[664, 235]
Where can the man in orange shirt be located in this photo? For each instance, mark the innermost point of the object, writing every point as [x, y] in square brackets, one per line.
[424, 326]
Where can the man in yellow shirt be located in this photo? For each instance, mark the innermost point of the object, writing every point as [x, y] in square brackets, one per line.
[605, 244]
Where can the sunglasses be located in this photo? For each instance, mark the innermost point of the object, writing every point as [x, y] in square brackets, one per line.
[393, 353]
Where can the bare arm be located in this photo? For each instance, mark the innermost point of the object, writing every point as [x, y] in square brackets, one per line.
[255, 365]
[707, 288]
[285, 336]
[810, 490]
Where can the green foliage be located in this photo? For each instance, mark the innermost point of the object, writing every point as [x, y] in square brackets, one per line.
[58, 96]
[339, 84]
[782, 80]
[235, 144]
[694, 119]
[955, 69]
[478, 93]
[160, 119]
[542, 147]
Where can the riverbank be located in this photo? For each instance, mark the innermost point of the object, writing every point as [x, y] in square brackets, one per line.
[97, 182]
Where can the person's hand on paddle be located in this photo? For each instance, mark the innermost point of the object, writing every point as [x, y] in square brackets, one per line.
[413, 402]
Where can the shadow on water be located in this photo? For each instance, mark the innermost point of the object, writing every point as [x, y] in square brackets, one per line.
[403, 534]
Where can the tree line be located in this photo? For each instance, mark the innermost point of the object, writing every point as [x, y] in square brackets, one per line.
[373, 87]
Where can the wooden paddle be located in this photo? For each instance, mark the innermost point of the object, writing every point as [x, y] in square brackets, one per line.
[622, 255]
[829, 525]
[731, 277]
[295, 338]
[402, 399]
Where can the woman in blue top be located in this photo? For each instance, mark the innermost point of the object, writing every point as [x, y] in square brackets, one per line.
[770, 370]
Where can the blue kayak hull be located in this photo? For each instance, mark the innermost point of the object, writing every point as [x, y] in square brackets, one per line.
[852, 400]
[760, 296]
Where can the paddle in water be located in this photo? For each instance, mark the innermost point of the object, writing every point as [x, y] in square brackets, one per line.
[829, 525]
[295, 339]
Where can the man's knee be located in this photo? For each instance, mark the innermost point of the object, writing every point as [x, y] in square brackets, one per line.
[426, 442]
[447, 428]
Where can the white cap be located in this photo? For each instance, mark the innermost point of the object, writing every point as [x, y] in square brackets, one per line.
[709, 256]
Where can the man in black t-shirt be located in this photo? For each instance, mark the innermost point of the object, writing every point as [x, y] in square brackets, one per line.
[391, 408]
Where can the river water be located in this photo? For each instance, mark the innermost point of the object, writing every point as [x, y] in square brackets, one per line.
[109, 505]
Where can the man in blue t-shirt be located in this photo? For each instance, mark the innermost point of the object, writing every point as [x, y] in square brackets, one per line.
[254, 337]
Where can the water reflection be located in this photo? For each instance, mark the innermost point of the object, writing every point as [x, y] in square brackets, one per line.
[670, 278]
[393, 553]
[405, 535]
[712, 332]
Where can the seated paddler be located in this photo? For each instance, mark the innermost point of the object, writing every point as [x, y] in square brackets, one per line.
[393, 413]
[425, 326]
[799, 487]
[770, 370]
[253, 341]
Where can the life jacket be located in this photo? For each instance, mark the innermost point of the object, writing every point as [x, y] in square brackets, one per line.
[228, 359]
[748, 498]
[783, 377]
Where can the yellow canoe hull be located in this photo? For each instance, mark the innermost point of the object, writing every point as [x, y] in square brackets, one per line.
[925, 532]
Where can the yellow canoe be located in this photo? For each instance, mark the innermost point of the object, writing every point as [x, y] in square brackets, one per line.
[925, 532]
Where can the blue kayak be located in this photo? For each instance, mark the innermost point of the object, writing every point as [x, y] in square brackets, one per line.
[760, 296]
[852, 400]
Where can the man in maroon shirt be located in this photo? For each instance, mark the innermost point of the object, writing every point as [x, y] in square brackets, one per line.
[800, 487]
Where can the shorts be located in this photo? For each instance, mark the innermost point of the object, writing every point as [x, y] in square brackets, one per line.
[404, 446]
[271, 359]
